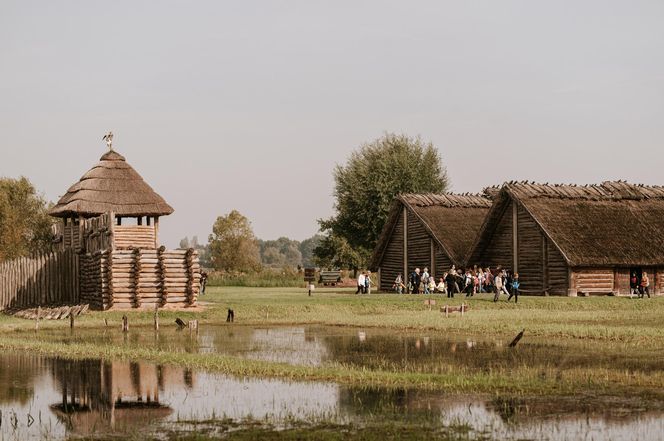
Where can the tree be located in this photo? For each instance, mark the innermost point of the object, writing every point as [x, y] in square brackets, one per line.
[281, 252]
[232, 244]
[25, 226]
[366, 186]
[335, 252]
[307, 247]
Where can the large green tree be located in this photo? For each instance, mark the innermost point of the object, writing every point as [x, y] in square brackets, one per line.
[232, 244]
[25, 226]
[366, 186]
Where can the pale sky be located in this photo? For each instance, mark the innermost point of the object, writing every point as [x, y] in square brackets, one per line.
[248, 105]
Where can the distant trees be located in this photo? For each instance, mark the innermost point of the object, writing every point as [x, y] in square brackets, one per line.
[232, 244]
[365, 188]
[25, 226]
[203, 250]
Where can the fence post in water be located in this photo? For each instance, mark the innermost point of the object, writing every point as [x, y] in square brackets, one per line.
[71, 321]
[37, 318]
[156, 317]
[125, 324]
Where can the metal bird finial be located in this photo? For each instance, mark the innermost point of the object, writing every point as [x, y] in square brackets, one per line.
[109, 140]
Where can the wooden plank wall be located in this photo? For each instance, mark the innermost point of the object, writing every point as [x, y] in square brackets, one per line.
[531, 253]
[392, 262]
[419, 244]
[442, 263]
[98, 233]
[557, 270]
[498, 250]
[134, 236]
[592, 280]
[148, 277]
[44, 279]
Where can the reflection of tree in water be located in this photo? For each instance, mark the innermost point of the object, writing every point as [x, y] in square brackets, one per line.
[98, 394]
[17, 377]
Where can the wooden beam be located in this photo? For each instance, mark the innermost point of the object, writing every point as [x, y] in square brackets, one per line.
[515, 238]
[545, 266]
[405, 244]
[432, 257]
[156, 231]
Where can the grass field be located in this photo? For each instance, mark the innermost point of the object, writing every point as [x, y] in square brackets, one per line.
[615, 327]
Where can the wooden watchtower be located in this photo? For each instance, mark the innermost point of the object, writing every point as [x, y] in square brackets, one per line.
[111, 218]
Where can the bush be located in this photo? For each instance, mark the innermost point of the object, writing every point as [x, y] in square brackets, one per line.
[265, 278]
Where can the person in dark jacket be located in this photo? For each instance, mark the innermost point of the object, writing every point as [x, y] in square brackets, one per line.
[450, 279]
[415, 280]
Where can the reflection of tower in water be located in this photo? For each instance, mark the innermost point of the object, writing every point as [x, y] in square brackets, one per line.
[113, 394]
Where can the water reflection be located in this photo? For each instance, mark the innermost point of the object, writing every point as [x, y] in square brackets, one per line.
[49, 397]
[380, 349]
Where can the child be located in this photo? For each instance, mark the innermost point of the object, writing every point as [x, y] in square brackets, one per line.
[515, 288]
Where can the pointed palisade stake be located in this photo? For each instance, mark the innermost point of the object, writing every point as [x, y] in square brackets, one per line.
[125, 324]
[517, 338]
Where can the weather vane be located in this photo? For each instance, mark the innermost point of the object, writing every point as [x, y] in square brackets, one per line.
[109, 140]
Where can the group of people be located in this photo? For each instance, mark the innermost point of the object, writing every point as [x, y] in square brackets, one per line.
[364, 283]
[639, 285]
[458, 281]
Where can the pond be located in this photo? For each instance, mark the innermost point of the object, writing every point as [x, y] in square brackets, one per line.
[46, 397]
[408, 351]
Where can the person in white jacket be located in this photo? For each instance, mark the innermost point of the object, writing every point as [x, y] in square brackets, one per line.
[360, 283]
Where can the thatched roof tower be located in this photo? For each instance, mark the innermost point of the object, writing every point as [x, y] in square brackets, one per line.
[111, 185]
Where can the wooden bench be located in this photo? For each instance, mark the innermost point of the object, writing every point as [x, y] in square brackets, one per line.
[447, 309]
[329, 278]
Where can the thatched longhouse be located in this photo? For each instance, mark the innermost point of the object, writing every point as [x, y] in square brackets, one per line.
[568, 239]
[427, 230]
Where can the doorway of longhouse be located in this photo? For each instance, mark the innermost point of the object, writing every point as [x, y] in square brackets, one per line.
[635, 274]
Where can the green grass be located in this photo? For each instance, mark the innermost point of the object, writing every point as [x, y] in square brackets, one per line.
[612, 324]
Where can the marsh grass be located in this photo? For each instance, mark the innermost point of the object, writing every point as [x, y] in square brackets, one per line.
[634, 325]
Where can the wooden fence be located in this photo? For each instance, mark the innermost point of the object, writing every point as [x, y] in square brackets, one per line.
[45, 279]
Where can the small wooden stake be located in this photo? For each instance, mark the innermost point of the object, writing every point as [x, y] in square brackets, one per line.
[71, 321]
[156, 317]
[125, 324]
[37, 318]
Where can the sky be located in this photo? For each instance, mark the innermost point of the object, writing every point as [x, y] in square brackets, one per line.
[249, 105]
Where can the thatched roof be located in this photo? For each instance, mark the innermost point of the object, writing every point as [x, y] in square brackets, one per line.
[613, 223]
[452, 220]
[111, 185]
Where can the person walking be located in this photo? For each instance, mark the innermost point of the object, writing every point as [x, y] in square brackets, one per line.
[360, 283]
[468, 284]
[515, 288]
[367, 283]
[498, 286]
[415, 280]
[645, 285]
[398, 284]
[425, 280]
[633, 285]
[450, 280]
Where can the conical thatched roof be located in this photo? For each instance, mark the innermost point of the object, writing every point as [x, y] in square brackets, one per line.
[111, 185]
